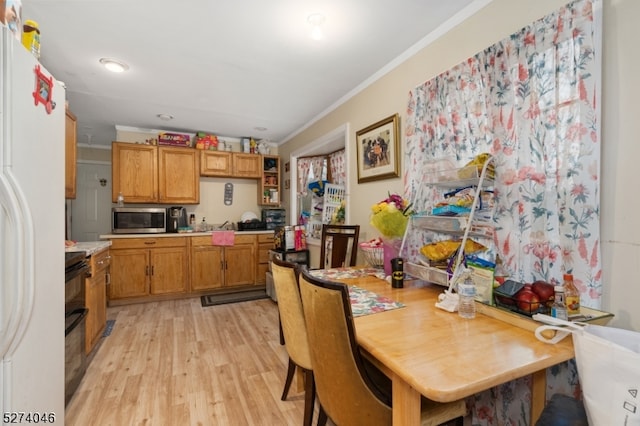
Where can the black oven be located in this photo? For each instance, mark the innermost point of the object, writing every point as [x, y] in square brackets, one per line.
[75, 312]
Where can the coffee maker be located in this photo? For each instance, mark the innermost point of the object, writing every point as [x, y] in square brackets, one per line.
[176, 218]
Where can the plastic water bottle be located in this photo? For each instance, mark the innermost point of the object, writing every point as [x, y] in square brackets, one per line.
[467, 295]
[559, 307]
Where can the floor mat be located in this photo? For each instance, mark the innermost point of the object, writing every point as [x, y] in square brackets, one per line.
[243, 296]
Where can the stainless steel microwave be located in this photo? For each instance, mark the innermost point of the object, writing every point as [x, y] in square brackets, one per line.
[138, 220]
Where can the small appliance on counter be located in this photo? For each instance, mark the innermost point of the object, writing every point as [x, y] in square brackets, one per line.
[274, 217]
[176, 219]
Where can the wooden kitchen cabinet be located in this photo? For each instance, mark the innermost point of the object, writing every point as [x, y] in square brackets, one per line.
[96, 298]
[239, 259]
[269, 193]
[216, 163]
[246, 165]
[178, 175]
[207, 263]
[218, 267]
[134, 172]
[147, 267]
[265, 243]
[152, 174]
[70, 155]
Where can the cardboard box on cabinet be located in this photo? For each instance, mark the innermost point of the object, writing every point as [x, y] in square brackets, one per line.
[174, 139]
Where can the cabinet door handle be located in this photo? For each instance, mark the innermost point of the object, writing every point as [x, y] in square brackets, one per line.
[146, 270]
[151, 270]
[150, 242]
[226, 265]
[107, 278]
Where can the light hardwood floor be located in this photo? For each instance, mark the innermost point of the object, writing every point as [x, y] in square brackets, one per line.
[177, 363]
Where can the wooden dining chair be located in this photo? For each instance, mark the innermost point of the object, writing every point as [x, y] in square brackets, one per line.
[350, 389]
[339, 246]
[294, 331]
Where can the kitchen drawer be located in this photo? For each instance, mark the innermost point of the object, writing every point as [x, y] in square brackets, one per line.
[150, 242]
[245, 239]
[206, 240]
[265, 238]
[100, 260]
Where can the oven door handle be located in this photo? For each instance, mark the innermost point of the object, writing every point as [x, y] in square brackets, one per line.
[81, 312]
[78, 269]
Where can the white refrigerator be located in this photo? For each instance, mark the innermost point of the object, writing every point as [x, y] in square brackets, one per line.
[32, 145]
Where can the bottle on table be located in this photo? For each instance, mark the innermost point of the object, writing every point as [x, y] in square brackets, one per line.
[559, 308]
[571, 295]
[467, 296]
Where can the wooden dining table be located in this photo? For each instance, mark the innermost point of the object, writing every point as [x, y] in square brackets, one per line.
[429, 352]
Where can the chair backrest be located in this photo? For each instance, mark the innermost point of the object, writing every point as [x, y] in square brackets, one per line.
[346, 392]
[294, 329]
[339, 246]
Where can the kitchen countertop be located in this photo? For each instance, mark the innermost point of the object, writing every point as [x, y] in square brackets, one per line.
[182, 234]
[91, 247]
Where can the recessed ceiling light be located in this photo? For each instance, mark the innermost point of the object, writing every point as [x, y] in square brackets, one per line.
[316, 20]
[114, 65]
[165, 117]
[260, 128]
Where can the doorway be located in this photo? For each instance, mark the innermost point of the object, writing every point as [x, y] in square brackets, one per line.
[91, 210]
[330, 142]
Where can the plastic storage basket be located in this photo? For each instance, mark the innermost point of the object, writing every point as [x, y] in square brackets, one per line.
[333, 197]
[374, 256]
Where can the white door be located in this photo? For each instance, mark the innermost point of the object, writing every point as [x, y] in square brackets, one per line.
[91, 210]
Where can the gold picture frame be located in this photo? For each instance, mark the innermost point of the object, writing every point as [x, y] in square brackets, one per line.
[378, 148]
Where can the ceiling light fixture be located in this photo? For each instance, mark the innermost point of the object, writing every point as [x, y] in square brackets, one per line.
[260, 128]
[165, 117]
[114, 65]
[316, 20]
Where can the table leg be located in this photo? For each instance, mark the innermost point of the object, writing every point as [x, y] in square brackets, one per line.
[406, 403]
[538, 394]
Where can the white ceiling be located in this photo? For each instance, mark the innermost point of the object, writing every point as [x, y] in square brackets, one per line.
[226, 67]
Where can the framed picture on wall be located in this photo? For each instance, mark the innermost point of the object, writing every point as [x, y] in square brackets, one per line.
[378, 148]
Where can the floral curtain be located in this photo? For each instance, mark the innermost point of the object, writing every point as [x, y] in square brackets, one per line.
[315, 164]
[531, 100]
[337, 167]
[303, 165]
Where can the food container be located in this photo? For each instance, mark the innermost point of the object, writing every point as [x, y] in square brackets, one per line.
[174, 139]
[284, 238]
[31, 37]
[505, 297]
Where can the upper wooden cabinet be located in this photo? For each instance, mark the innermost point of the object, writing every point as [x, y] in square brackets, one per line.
[70, 155]
[246, 165]
[229, 164]
[269, 188]
[216, 163]
[178, 177]
[152, 174]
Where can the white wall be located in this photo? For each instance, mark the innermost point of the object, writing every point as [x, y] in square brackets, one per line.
[620, 92]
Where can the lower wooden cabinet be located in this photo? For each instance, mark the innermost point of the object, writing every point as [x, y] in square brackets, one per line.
[155, 268]
[217, 267]
[143, 267]
[96, 298]
[265, 243]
